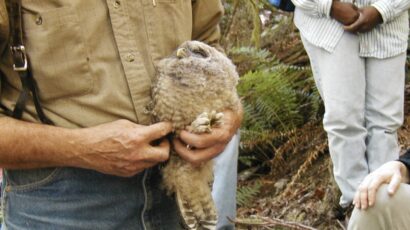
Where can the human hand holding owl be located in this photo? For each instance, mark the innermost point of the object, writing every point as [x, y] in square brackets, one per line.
[199, 148]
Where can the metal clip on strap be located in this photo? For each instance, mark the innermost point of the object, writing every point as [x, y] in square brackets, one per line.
[19, 58]
[21, 64]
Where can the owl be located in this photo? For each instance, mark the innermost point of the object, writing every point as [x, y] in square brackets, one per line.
[193, 87]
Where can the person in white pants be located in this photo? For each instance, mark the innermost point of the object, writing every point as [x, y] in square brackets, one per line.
[225, 183]
[357, 53]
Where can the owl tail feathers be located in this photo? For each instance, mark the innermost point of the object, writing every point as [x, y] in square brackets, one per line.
[190, 218]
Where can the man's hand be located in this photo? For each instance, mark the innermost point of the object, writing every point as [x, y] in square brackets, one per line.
[369, 18]
[343, 12]
[123, 148]
[392, 173]
[199, 148]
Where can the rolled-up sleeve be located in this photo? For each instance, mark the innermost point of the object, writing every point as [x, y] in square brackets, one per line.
[317, 8]
[206, 17]
[390, 9]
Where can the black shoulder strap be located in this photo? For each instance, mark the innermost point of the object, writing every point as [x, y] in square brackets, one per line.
[21, 64]
[6, 110]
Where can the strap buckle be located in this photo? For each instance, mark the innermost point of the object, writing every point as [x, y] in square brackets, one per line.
[19, 58]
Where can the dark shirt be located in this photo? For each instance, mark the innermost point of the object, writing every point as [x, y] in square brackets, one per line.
[405, 159]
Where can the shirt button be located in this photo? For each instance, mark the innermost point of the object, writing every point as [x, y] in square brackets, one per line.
[130, 57]
[117, 4]
[39, 20]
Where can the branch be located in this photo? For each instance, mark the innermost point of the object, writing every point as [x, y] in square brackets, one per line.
[271, 222]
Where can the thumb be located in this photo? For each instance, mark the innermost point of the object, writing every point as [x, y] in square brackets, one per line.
[355, 26]
[158, 130]
[394, 183]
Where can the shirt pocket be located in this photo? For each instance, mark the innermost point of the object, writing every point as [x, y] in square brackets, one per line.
[168, 23]
[57, 53]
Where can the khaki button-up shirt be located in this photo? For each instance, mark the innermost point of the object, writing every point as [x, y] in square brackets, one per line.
[94, 60]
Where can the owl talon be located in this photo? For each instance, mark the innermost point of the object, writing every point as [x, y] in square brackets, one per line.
[202, 124]
[216, 118]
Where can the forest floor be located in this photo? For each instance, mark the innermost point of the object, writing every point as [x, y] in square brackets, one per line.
[308, 200]
[286, 176]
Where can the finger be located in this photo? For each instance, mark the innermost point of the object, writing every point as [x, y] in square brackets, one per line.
[205, 140]
[355, 26]
[158, 153]
[394, 183]
[355, 7]
[372, 189]
[157, 130]
[134, 169]
[196, 156]
[356, 199]
[363, 188]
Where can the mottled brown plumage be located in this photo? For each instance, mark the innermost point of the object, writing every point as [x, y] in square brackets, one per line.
[193, 86]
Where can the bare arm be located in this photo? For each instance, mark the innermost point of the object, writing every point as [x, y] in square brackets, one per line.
[368, 19]
[344, 12]
[120, 148]
[382, 11]
[28, 145]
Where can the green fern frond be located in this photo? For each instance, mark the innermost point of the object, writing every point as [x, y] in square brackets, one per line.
[246, 194]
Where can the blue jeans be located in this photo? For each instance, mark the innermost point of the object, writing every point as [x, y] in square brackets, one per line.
[72, 198]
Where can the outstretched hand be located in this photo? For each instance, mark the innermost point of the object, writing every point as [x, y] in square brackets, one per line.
[369, 17]
[393, 173]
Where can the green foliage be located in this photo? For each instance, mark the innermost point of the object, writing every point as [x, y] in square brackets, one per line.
[246, 194]
[270, 102]
[277, 99]
[247, 160]
[249, 58]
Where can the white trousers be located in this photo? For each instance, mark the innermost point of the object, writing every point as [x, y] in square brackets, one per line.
[364, 99]
[225, 181]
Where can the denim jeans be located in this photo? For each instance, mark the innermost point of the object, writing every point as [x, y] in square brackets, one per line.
[72, 198]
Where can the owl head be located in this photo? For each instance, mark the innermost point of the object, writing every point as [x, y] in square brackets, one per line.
[199, 66]
[196, 78]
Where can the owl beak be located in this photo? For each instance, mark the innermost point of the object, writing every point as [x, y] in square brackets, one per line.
[182, 53]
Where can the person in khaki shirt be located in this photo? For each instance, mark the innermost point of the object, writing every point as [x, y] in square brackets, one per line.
[94, 62]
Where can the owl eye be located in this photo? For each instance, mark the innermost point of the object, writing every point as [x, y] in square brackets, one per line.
[200, 53]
